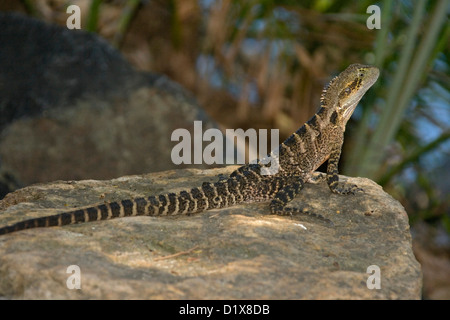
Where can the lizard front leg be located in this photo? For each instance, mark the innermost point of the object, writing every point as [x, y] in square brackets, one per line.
[333, 178]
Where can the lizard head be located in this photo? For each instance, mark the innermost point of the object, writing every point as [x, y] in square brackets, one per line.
[344, 91]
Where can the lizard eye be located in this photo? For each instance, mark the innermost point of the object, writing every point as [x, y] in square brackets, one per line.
[348, 90]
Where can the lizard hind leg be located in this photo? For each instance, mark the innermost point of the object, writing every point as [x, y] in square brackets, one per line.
[285, 195]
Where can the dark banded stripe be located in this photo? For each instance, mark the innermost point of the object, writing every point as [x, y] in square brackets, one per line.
[173, 203]
[104, 211]
[52, 221]
[332, 179]
[199, 198]
[211, 194]
[92, 214]
[184, 202]
[221, 188]
[162, 204]
[141, 205]
[153, 208]
[334, 118]
[127, 207]
[115, 209]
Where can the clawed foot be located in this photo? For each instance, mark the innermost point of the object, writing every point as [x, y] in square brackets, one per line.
[317, 177]
[345, 188]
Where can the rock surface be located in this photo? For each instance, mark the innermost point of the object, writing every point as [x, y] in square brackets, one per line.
[241, 252]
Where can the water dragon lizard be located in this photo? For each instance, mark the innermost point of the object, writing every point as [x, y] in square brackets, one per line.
[318, 140]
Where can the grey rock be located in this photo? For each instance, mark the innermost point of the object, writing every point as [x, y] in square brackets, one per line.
[241, 252]
[45, 66]
[71, 107]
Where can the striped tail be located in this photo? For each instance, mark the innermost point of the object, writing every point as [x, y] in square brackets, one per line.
[208, 196]
[101, 212]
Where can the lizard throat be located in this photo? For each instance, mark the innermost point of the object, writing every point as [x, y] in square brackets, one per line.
[349, 111]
